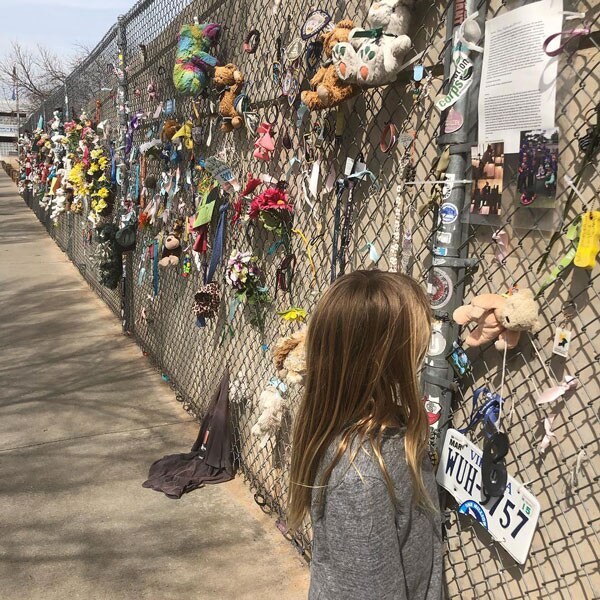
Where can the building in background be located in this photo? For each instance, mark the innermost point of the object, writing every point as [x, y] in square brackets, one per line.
[9, 127]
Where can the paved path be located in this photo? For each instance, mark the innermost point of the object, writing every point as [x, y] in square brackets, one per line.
[82, 416]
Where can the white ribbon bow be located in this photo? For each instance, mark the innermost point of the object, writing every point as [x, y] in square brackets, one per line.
[567, 386]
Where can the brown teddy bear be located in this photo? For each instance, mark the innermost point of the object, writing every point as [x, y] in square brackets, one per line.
[232, 79]
[329, 89]
[289, 358]
[499, 317]
[169, 129]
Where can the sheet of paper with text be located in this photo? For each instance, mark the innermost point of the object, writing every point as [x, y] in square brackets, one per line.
[518, 79]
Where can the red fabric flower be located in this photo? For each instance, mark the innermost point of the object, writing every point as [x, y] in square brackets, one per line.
[273, 198]
[143, 220]
[238, 205]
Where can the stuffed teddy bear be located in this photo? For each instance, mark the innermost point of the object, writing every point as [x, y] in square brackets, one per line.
[373, 57]
[171, 251]
[270, 405]
[289, 358]
[194, 63]
[499, 317]
[58, 204]
[169, 129]
[230, 78]
[329, 89]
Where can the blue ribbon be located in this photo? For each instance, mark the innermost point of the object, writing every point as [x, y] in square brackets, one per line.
[155, 267]
[488, 412]
[278, 384]
[137, 182]
[273, 247]
[217, 252]
[113, 165]
[216, 255]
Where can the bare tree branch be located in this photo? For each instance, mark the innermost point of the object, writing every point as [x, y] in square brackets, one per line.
[39, 72]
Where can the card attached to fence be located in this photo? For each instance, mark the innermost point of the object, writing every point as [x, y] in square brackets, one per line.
[511, 518]
[562, 342]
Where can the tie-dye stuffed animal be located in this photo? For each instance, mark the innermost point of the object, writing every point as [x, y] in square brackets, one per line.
[193, 63]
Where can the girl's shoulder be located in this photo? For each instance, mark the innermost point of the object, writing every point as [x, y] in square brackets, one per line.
[360, 462]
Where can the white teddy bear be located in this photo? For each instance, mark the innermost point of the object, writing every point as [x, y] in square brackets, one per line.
[373, 57]
[393, 16]
[270, 405]
[58, 204]
[45, 202]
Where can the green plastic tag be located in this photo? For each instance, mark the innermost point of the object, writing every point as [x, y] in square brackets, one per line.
[204, 214]
[205, 211]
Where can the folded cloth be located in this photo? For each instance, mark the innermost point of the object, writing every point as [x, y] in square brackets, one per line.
[209, 460]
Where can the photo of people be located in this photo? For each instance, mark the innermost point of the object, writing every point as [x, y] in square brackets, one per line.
[537, 168]
[487, 173]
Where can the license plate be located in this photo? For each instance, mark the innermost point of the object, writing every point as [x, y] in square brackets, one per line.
[511, 519]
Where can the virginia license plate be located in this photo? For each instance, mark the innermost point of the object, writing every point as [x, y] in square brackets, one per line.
[511, 519]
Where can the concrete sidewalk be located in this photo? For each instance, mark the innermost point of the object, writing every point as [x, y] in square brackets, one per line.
[82, 417]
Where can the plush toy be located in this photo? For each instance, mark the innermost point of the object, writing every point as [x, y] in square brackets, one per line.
[45, 202]
[373, 57]
[58, 204]
[329, 89]
[289, 358]
[169, 129]
[231, 79]
[499, 317]
[270, 405]
[171, 251]
[393, 16]
[193, 63]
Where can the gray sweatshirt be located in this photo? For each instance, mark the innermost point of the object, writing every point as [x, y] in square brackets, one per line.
[363, 547]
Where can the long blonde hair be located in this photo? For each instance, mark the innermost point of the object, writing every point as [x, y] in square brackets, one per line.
[366, 340]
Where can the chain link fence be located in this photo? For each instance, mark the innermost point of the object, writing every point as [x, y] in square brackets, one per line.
[564, 555]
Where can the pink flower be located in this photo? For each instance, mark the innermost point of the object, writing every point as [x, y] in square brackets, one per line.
[273, 198]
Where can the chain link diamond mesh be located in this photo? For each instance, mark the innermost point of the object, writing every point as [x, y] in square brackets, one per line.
[563, 557]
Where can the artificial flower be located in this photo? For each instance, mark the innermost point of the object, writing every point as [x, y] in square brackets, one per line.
[293, 314]
[245, 277]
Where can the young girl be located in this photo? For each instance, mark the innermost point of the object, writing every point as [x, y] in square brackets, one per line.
[359, 462]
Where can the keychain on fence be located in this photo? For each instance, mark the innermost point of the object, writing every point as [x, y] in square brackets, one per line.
[459, 360]
[562, 336]
[419, 86]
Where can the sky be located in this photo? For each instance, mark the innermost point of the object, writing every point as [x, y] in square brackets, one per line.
[58, 24]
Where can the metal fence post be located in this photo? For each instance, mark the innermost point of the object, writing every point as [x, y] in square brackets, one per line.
[66, 118]
[450, 264]
[123, 110]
